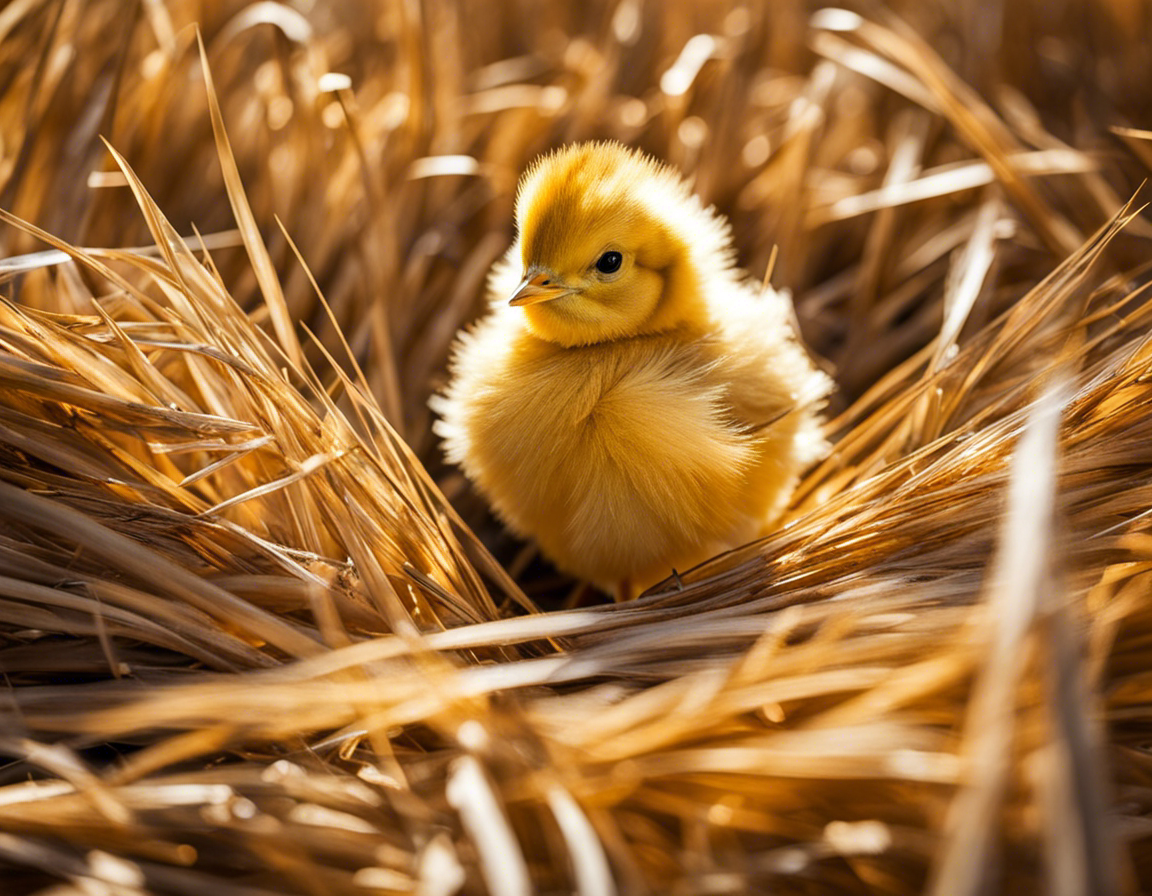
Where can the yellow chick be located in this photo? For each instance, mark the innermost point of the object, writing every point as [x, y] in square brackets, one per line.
[632, 401]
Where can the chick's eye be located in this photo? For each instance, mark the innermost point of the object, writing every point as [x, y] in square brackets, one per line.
[609, 262]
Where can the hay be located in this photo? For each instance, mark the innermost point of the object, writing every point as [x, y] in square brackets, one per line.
[251, 647]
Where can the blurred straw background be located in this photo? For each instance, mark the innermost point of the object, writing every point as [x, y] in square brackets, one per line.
[256, 638]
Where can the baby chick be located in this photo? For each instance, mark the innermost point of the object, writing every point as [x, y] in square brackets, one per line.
[632, 401]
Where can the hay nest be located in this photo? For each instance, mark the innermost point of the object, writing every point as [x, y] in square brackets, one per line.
[257, 639]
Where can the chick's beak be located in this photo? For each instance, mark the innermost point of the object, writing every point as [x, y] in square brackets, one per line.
[539, 287]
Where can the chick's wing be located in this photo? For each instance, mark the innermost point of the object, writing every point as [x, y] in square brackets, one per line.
[768, 371]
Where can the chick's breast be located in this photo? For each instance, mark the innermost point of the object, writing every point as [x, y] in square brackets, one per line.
[624, 459]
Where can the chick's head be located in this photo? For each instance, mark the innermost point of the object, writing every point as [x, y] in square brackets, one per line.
[613, 245]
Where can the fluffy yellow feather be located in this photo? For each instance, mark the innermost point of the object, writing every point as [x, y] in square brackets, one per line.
[632, 401]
